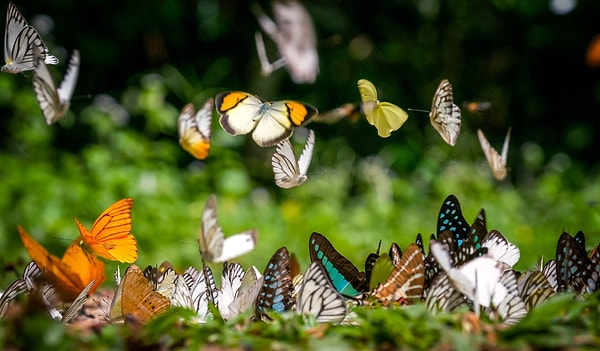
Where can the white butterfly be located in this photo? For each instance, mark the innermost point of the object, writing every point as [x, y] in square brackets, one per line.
[288, 171]
[214, 247]
[194, 129]
[294, 34]
[501, 249]
[202, 289]
[496, 161]
[445, 115]
[318, 296]
[29, 281]
[54, 102]
[20, 42]
[53, 304]
[239, 290]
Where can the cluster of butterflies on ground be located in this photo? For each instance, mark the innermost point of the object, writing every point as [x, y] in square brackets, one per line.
[467, 267]
[270, 122]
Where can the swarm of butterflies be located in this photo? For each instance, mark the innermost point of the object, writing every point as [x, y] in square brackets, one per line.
[468, 267]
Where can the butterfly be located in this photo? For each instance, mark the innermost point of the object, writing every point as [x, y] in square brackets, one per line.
[451, 218]
[29, 281]
[370, 263]
[445, 115]
[70, 274]
[318, 297]
[288, 171]
[110, 236]
[277, 287]
[534, 288]
[53, 302]
[496, 161]
[442, 296]
[239, 295]
[385, 116]
[405, 283]
[20, 42]
[511, 308]
[294, 34]
[194, 129]
[501, 249]
[202, 291]
[269, 122]
[345, 277]
[135, 297]
[573, 266]
[54, 102]
[162, 279]
[214, 247]
[382, 269]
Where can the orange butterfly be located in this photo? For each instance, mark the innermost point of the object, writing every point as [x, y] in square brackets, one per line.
[137, 298]
[110, 236]
[69, 275]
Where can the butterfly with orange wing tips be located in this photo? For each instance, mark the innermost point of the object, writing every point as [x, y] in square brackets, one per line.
[194, 129]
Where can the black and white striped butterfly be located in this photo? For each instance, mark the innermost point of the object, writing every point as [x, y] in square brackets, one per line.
[445, 114]
[200, 290]
[496, 161]
[20, 42]
[319, 298]
[288, 171]
[31, 274]
[54, 102]
[54, 304]
[238, 289]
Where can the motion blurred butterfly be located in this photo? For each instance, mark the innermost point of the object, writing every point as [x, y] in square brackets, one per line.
[385, 116]
[445, 115]
[496, 161]
[269, 122]
[110, 236]
[20, 42]
[319, 298]
[194, 129]
[214, 247]
[70, 274]
[345, 277]
[288, 171]
[294, 34]
[29, 281]
[277, 288]
[54, 102]
[135, 297]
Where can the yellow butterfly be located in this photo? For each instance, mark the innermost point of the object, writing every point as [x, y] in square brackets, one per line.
[194, 129]
[385, 116]
[445, 115]
[269, 122]
[496, 161]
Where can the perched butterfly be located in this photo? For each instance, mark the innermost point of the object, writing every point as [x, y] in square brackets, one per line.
[194, 129]
[269, 122]
[70, 274]
[162, 279]
[20, 42]
[288, 171]
[549, 270]
[573, 266]
[442, 296]
[346, 278]
[370, 263]
[202, 290]
[496, 161]
[381, 271]
[451, 218]
[511, 308]
[534, 288]
[52, 302]
[242, 295]
[385, 116]
[499, 248]
[29, 281]
[135, 297]
[54, 102]
[211, 239]
[277, 288]
[294, 34]
[445, 115]
[405, 283]
[110, 236]
[318, 297]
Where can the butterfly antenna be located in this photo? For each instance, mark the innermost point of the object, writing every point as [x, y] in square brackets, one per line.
[418, 110]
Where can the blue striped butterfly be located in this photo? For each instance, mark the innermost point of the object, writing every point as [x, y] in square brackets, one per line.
[288, 171]
[496, 161]
[451, 218]
[269, 122]
[32, 274]
[385, 116]
[573, 266]
[277, 287]
[445, 114]
[54, 102]
[405, 283]
[20, 42]
[318, 297]
[194, 129]
[346, 278]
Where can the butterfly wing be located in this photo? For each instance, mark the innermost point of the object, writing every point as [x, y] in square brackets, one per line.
[451, 218]
[497, 163]
[194, 129]
[110, 236]
[67, 86]
[239, 111]
[307, 153]
[501, 249]
[285, 167]
[405, 283]
[279, 119]
[318, 296]
[247, 292]
[277, 287]
[445, 115]
[202, 289]
[387, 118]
[230, 283]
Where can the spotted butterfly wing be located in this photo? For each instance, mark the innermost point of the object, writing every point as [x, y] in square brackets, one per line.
[451, 218]
[445, 115]
[288, 171]
[572, 266]
[277, 288]
[346, 278]
[318, 297]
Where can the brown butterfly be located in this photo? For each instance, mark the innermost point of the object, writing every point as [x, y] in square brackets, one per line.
[496, 161]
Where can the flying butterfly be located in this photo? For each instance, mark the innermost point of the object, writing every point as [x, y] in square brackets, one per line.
[346, 278]
[385, 116]
[54, 102]
[319, 298]
[20, 42]
[194, 129]
[445, 114]
[269, 122]
[277, 288]
[214, 247]
[288, 171]
[496, 161]
[110, 236]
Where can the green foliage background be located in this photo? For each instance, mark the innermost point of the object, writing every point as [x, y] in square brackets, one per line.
[142, 61]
